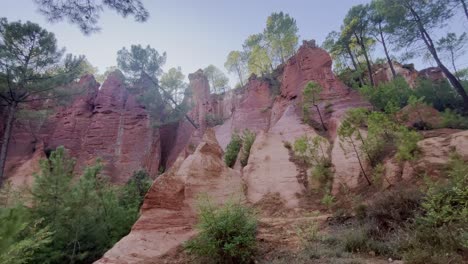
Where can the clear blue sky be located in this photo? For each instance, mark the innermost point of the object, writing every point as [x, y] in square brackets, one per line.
[193, 33]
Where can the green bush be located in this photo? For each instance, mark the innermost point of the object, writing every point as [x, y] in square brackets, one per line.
[226, 233]
[407, 144]
[438, 94]
[66, 220]
[232, 150]
[451, 119]
[395, 92]
[355, 240]
[248, 138]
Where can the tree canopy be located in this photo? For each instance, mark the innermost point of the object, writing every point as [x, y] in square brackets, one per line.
[217, 79]
[32, 68]
[86, 14]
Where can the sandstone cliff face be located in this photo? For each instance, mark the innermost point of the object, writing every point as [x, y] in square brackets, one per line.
[169, 210]
[107, 123]
[383, 73]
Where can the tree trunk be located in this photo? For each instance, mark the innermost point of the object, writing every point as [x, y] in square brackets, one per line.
[348, 49]
[465, 8]
[431, 47]
[390, 63]
[360, 163]
[369, 67]
[320, 115]
[6, 139]
[240, 76]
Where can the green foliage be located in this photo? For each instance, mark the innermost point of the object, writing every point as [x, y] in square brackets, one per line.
[441, 230]
[355, 240]
[281, 36]
[173, 82]
[264, 51]
[86, 14]
[407, 144]
[236, 63]
[438, 94]
[248, 138]
[311, 152]
[395, 92]
[217, 79]
[328, 200]
[140, 61]
[226, 233]
[232, 149]
[307, 232]
[451, 119]
[69, 221]
[22, 240]
[134, 191]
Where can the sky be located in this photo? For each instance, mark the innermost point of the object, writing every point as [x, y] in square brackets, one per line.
[193, 33]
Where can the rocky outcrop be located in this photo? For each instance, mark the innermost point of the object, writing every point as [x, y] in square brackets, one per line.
[105, 123]
[169, 210]
[434, 155]
[432, 73]
[382, 73]
[250, 111]
[310, 64]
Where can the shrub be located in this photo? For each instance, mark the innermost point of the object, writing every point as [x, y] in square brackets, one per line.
[226, 233]
[307, 232]
[407, 144]
[248, 139]
[395, 92]
[433, 228]
[439, 94]
[232, 150]
[135, 189]
[392, 210]
[328, 200]
[355, 240]
[451, 119]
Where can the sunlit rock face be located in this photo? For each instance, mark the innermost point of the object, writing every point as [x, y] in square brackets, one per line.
[105, 123]
[169, 210]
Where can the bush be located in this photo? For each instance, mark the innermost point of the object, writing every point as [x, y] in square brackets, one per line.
[248, 139]
[439, 94]
[392, 210]
[407, 144]
[395, 92]
[226, 233]
[355, 240]
[451, 119]
[232, 150]
[66, 220]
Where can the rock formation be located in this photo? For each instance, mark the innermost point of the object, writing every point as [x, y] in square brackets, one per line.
[108, 122]
[169, 210]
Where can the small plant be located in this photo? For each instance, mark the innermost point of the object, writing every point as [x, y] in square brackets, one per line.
[407, 144]
[248, 138]
[226, 233]
[355, 240]
[307, 232]
[232, 150]
[451, 119]
[328, 200]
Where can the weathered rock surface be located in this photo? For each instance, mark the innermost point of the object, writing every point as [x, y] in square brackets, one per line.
[382, 73]
[168, 213]
[251, 111]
